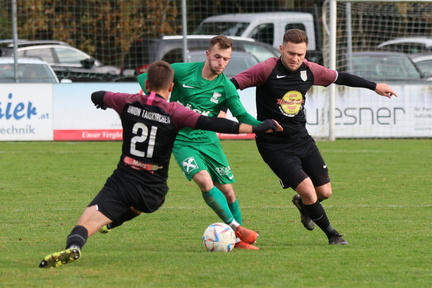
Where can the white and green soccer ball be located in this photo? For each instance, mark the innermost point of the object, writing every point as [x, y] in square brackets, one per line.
[219, 237]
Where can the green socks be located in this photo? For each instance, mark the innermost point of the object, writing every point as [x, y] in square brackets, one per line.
[235, 210]
[217, 201]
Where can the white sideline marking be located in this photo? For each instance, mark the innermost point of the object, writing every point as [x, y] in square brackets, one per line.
[358, 151]
[293, 207]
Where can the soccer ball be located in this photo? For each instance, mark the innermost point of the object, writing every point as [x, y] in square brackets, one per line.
[219, 237]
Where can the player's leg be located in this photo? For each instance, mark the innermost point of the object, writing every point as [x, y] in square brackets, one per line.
[287, 165]
[129, 215]
[194, 166]
[91, 220]
[315, 189]
[222, 176]
[214, 198]
[233, 203]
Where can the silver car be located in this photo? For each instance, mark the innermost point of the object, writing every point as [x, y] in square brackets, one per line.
[408, 45]
[30, 70]
[384, 66]
[423, 61]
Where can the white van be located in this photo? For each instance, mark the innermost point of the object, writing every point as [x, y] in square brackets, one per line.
[267, 27]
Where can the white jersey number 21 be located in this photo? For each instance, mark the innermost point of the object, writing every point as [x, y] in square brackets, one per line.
[141, 138]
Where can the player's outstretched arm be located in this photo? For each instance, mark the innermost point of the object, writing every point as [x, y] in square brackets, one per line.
[355, 81]
[385, 90]
[228, 126]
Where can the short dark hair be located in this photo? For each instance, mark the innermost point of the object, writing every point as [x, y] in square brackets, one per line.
[159, 75]
[296, 36]
[223, 41]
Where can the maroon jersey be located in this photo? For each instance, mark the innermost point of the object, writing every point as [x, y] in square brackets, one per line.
[281, 93]
[150, 126]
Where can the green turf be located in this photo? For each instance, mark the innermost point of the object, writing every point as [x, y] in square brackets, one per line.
[381, 204]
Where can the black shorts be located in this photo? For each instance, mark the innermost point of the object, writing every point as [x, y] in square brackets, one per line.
[122, 190]
[294, 162]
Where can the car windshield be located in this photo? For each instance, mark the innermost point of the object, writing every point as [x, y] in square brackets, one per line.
[27, 73]
[425, 66]
[217, 28]
[261, 52]
[384, 67]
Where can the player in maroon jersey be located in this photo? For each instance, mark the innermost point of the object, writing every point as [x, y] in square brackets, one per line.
[281, 86]
[139, 184]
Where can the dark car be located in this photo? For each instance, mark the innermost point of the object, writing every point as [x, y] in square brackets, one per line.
[384, 66]
[66, 61]
[144, 51]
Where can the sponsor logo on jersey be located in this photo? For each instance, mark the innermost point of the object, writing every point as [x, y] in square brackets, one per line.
[280, 76]
[224, 171]
[291, 103]
[189, 106]
[189, 164]
[215, 97]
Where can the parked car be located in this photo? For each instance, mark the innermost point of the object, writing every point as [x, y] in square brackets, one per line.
[384, 66]
[66, 61]
[423, 62]
[267, 27]
[239, 62]
[408, 45]
[30, 70]
[144, 51]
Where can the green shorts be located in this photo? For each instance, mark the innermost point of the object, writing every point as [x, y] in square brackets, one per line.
[210, 157]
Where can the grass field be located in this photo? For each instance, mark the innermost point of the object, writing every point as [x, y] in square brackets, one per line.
[381, 204]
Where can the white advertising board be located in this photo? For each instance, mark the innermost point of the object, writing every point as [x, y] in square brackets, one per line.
[26, 112]
[64, 112]
[361, 113]
[76, 118]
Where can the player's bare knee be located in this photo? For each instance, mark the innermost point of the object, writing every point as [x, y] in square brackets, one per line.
[324, 194]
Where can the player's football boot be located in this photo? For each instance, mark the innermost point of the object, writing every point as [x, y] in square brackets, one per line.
[304, 218]
[246, 235]
[337, 239]
[59, 258]
[246, 246]
[104, 229]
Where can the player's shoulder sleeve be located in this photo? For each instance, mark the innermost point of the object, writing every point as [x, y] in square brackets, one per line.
[256, 75]
[322, 75]
[182, 69]
[118, 101]
[182, 116]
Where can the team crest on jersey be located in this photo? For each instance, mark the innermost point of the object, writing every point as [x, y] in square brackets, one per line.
[215, 97]
[189, 164]
[303, 75]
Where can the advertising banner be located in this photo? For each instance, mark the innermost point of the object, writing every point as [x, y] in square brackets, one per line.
[26, 112]
[76, 118]
[64, 112]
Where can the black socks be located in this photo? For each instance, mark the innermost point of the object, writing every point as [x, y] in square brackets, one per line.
[77, 238]
[318, 215]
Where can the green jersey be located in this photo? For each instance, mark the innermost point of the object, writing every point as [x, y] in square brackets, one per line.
[205, 97]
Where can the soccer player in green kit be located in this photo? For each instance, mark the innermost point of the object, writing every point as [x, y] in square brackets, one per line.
[202, 87]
